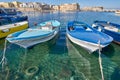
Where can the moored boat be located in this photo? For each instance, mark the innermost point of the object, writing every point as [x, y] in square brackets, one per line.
[12, 15]
[117, 11]
[109, 28]
[40, 33]
[86, 36]
[6, 29]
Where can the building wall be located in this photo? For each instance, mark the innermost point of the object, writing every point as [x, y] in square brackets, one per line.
[6, 4]
[41, 6]
[16, 4]
[93, 9]
[70, 7]
[56, 7]
[26, 9]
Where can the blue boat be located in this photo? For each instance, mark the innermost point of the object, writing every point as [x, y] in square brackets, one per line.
[86, 36]
[109, 28]
[12, 15]
[40, 33]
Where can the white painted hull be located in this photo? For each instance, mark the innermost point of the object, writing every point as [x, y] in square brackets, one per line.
[91, 47]
[30, 42]
[117, 12]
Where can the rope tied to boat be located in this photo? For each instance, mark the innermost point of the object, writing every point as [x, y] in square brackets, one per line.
[4, 59]
[100, 60]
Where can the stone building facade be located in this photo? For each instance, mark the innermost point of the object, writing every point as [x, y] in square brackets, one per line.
[70, 7]
[6, 4]
[37, 6]
[67, 7]
[16, 4]
[92, 9]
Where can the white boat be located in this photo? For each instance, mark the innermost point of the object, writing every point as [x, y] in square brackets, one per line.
[117, 12]
[87, 37]
[42, 32]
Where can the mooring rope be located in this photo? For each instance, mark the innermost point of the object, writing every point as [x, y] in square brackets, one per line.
[100, 61]
[4, 59]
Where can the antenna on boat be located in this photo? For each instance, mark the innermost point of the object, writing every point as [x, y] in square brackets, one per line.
[100, 60]
[4, 59]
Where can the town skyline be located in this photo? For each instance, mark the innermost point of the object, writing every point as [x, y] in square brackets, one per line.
[83, 3]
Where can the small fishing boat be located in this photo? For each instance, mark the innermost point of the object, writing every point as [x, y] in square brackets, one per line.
[40, 33]
[86, 36]
[109, 28]
[8, 11]
[6, 29]
[117, 11]
[12, 15]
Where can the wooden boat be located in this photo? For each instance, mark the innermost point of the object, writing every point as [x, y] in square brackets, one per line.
[42, 32]
[8, 11]
[12, 15]
[10, 28]
[109, 28]
[86, 36]
[117, 12]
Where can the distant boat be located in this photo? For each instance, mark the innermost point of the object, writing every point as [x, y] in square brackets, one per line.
[42, 32]
[86, 36]
[7, 28]
[7, 11]
[12, 15]
[109, 28]
[117, 12]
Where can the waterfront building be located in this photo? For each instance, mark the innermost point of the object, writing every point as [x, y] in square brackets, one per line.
[56, 7]
[46, 7]
[6, 4]
[23, 5]
[92, 9]
[70, 7]
[35, 6]
[16, 4]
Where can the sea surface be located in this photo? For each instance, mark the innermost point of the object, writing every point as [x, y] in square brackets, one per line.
[59, 58]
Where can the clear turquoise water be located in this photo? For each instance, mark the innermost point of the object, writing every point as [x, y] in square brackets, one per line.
[60, 59]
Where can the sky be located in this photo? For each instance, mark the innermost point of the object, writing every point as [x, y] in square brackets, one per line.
[83, 3]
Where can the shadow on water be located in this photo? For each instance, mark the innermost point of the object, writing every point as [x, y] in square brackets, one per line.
[60, 46]
[116, 74]
[21, 62]
[109, 61]
[109, 67]
[2, 43]
[53, 60]
[109, 50]
[85, 63]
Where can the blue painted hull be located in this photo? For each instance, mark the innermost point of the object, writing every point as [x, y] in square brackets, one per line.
[12, 15]
[84, 35]
[115, 35]
[15, 18]
[35, 35]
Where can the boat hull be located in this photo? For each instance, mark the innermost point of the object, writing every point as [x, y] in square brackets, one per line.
[114, 33]
[11, 29]
[117, 12]
[31, 42]
[91, 47]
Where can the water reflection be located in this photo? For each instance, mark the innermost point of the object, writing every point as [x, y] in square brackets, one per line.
[60, 59]
[88, 64]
